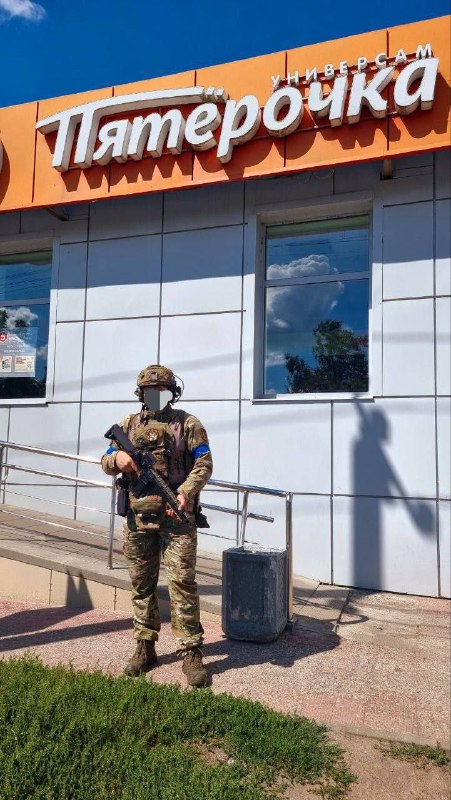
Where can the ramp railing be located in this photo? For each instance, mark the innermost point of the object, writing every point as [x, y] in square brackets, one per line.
[242, 512]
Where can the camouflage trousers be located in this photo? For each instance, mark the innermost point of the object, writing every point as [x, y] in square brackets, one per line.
[144, 547]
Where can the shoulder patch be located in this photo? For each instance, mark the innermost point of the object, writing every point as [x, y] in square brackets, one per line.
[200, 450]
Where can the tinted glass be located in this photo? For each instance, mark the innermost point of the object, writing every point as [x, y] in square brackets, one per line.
[317, 338]
[308, 249]
[25, 280]
[25, 276]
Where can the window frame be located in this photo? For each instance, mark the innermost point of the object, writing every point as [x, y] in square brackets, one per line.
[326, 208]
[32, 242]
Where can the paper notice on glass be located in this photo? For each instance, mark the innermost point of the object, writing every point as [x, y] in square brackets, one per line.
[6, 364]
[18, 352]
[25, 364]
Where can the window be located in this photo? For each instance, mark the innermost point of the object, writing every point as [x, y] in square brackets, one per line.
[316, 307]
[25, 280]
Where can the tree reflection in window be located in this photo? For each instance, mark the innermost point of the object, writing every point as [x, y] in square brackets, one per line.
[342, 362]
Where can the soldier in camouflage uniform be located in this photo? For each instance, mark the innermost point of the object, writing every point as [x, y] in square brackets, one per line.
[179, 444]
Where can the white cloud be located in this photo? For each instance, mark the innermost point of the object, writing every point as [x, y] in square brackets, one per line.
[274, 359]
[42, 352]
[283, 311]
[25, 9]
[301, 268]
[22, 313]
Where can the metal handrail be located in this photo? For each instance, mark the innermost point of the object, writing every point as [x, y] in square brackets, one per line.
[245, 489]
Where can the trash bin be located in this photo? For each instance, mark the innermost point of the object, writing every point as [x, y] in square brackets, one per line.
[254, 593]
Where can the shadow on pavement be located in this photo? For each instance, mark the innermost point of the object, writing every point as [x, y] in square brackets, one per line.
[26, 629]
[284, 652]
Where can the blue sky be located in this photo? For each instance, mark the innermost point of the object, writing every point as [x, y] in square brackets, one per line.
[57, 47]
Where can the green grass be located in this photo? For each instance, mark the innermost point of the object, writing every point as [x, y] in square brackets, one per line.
[422, 755]
[68, 735]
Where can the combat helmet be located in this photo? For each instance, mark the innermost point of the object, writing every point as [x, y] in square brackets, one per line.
[157, 375]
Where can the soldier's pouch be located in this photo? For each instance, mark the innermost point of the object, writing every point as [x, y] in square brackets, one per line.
[151, 505]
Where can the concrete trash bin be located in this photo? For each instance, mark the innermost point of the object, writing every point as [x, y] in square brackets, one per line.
[254, 593]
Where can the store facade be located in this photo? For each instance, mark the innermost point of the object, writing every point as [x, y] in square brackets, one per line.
[277, 231]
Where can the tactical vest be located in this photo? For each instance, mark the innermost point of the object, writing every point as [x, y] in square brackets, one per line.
[166, 442]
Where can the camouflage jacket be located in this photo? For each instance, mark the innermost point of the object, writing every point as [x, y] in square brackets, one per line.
[158, 432]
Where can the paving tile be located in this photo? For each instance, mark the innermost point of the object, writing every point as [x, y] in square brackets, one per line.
[321, 611]
[435, 649]
[434, 604]
[343, 683]
[433, 725]
[435, 630]
[389, 712]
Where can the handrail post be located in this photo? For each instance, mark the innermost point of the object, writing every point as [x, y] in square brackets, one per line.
[289, 546]
[111, 531]
[244, 515]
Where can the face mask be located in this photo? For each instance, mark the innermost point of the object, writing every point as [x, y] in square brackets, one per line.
[156, 400]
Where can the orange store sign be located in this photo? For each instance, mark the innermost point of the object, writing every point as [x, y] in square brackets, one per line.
[372, 96]
[122, 139]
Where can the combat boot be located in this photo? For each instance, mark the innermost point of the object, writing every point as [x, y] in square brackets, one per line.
[142, 659]
[193, 668]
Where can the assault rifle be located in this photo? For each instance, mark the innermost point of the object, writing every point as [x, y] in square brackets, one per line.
[148, 479]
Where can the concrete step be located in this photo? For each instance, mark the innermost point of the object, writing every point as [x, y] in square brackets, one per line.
[51, 559]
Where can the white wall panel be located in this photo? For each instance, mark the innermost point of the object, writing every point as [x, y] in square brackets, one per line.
[221, 524]
[4, 418]
[286, 446]
[52, 427]
[357, 177]
[408, 347]
[204, 350]
[312, 537]
[68, 361]
[444, 446]
[75, 229]
[72, 282]
[268, 534]
[205, 207]
[311, 532]
[442, 174]
[443, 247]
[96, 418]
[115, 351]
[386, 448]
[445, 547]
[124, 277]
[302, 187]
[220, 419]
[249, 343]
[126, 216]
[408, 251]
[407, 185]
[385, 544]
[202, 270]
[443, 333]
